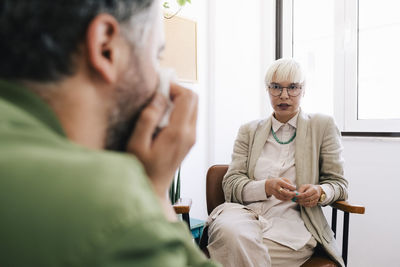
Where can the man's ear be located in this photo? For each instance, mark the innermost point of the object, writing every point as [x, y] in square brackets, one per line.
[102, 46]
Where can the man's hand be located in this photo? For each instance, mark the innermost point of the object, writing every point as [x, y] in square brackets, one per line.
[281, 188]
[162, 155]
[309, 195]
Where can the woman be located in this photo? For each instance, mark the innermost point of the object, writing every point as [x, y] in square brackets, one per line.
[283, 169]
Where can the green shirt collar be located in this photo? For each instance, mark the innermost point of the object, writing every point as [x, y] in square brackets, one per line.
[31, 104]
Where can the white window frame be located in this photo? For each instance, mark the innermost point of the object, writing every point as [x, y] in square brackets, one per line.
[287, 28]
[345, 69]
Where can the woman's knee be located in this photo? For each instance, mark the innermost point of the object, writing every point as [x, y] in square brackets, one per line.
[222, 228]
[230, 230]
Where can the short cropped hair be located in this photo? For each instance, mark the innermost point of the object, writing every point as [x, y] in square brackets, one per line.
[285, 70]
[40, 37]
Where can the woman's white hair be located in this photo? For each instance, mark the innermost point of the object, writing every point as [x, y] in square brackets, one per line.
[285, 70]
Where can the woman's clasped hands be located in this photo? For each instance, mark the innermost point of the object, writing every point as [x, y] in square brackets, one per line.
[283, 189]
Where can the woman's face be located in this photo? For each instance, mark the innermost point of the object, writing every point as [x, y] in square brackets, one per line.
[285, 106]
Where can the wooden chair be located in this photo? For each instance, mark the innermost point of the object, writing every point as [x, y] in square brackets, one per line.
[215, 197]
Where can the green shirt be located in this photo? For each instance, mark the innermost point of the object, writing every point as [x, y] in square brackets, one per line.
[65, 205]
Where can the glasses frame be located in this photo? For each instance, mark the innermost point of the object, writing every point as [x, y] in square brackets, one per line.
[288, 90]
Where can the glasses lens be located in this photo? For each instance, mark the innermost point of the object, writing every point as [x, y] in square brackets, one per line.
[294, 90]
[274, 89]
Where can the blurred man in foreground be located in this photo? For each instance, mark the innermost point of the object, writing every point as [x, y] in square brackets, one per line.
[83, 178]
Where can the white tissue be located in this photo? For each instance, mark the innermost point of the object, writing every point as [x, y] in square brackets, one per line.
[165, 78]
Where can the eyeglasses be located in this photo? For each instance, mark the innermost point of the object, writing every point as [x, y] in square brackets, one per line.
[293, 89]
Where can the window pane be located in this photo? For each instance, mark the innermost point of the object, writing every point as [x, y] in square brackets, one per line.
[379, 57]
[313, 46]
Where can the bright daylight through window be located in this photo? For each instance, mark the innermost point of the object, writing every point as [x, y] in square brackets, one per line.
[313, 47]
[351, 52]
[378, 60]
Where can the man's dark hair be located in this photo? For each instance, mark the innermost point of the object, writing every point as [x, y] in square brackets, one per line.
[38, 38]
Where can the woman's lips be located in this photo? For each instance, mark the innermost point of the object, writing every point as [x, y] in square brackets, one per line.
[283, 106]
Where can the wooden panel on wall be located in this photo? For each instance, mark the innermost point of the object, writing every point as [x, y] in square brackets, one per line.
[181, 48]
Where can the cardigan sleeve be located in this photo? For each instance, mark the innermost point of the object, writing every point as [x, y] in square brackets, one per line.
[237, 175]
[331, 162]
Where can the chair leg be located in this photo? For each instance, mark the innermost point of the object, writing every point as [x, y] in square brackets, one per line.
[185, 217]
[334, 218]
[345, 243]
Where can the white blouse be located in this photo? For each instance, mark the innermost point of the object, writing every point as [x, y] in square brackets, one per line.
[280, 219]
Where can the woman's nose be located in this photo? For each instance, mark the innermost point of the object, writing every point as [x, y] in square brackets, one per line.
[284, 93]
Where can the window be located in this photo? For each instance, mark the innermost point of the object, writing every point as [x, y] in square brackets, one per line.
[351, 51]
[378, 59]
[313, 47]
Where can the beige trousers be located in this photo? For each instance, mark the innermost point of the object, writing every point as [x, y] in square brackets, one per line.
[235, 240]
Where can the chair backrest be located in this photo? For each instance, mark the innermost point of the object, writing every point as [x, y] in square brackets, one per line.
[214, 192]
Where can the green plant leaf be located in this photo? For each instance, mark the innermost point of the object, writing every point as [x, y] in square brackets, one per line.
[166, 5]
[181, 2]
[178, 185]
[175, 188]
[172, 192]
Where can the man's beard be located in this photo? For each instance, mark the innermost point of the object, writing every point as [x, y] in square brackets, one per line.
[132, 96]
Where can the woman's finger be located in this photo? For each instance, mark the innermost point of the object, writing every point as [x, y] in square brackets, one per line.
[311, 199]
[285, 194]
[287, 184]
[307, 191]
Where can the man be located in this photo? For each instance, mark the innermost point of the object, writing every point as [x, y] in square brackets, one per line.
[83, 177]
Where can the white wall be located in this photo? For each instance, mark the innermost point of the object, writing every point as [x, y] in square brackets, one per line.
[238, 62]
[372, 166]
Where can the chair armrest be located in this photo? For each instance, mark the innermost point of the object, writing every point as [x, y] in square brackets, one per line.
[182, 206]
[347, 207]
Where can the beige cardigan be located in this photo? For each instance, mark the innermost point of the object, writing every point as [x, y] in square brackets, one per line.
[318, 160]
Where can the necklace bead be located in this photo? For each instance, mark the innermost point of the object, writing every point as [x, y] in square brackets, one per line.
[281, 142]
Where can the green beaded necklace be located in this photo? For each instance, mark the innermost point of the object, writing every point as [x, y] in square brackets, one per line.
[279, 141]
